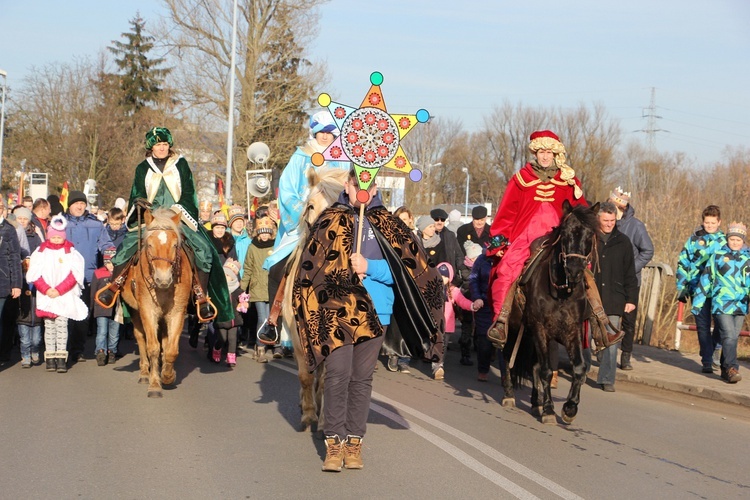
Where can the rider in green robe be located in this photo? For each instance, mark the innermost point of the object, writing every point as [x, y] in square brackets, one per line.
[164, 179]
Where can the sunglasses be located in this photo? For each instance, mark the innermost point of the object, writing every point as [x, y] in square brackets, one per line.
[439, 219]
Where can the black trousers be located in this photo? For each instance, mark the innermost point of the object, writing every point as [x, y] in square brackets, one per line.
[79, 330]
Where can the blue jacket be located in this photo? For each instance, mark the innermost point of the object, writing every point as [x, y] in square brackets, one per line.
[726, 281]
[693, 258]
[241, 244]
[479, 287]
[635, 230]
[89, 236]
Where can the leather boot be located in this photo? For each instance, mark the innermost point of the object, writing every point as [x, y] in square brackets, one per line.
[62, 359]
[334, 454]
[353, 452]
[498, 332]
[203, 305]
[601, 329]
[553, 382]
[625, 361]
[50, 362]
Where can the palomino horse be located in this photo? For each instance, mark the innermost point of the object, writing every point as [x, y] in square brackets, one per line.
[555, 311]
[157, 290]
[325, 186]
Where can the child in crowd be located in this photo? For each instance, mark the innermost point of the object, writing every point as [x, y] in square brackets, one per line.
[226, 332]
[479, 284]
[725, 284]
[255, 278]
[472, 251]
[56, 271]
[107, 329]
[29, 324]
[453, 296]
[693, 258]
[116, 226]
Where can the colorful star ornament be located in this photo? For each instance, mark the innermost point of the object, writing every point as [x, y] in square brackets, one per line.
[370, 137]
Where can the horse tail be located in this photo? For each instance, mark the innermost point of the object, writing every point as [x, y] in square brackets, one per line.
[523, 364]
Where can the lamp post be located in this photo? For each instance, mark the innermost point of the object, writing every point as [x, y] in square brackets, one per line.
[2, 121]
[230, 119]
[466, 202]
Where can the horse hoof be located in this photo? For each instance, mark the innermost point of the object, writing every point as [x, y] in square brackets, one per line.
[508, 403]
[168, 380]
[143, 380]
[536, 411]
[566, 419]
[154, 394]
[549, 419]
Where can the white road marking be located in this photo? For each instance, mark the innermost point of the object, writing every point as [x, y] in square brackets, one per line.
[457, 453]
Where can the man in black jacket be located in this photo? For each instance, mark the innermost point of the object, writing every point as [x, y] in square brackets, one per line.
[617, 284]
[11, 279]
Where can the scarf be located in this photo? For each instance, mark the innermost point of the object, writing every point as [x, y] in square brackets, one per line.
[431, 242]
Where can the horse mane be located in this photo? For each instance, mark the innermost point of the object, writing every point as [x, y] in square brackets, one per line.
[584, 214]
[164, 221]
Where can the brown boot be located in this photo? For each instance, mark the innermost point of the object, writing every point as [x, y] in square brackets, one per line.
[334, 454]
[601, 329]
[498, 332]
[353, 452]
[553, 382]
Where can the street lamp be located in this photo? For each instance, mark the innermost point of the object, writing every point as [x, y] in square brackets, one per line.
[466, 202]
[2, 121]
[230, 120]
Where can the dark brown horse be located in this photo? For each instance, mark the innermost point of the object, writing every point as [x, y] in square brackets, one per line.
[157, 291]
[555, 311]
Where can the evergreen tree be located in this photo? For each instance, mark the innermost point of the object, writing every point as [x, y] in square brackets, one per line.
[140, 77]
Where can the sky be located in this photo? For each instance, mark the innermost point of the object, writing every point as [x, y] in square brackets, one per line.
[460, 59]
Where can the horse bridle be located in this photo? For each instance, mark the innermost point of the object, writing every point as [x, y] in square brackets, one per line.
[563, 258]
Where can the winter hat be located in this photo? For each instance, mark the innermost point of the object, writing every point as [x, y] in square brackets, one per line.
[322, 121]
[76, 196]
[454, 216]
[423, 222]
[108, 254]
[265, 225]
[56, 227]
[157, 135]
[120, 203]
[236, 212]
[219, 219]
[438, 213]
[620, 198]
[445, 270]
[479, 212]
[737, 229]
[473, 250]
[22, 212]
[232, 271]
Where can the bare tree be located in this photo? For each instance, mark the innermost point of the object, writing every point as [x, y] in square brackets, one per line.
[275, 82]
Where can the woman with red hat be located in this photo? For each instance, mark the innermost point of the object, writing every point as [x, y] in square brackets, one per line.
[531, 206]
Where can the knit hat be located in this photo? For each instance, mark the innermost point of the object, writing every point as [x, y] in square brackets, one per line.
[232, 272]
[108, 254]
[479, 212]
[76, 196]
[737, 229]
[620, 198]
[454, 216]
[445, 270]
[56, 227]
[236, 212]
[219, 219]
[424, 222]
[322, 121]
[473, 250]
[265, 225]
[157, 135]
[438, 213]
[22, 212]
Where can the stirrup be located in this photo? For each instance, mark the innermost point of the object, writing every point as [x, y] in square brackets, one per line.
[214, 311]
[498, 331]
[112, 287]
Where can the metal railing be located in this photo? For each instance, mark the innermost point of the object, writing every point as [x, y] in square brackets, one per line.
[690, 327]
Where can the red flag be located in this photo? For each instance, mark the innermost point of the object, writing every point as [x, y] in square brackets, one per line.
[64, 196]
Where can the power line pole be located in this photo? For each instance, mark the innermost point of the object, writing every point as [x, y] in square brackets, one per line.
[651, 126]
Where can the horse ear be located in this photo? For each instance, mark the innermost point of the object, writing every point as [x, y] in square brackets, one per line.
[176, 217]
[566, 206]
[312, 177]
[595, 208]
[148, 217]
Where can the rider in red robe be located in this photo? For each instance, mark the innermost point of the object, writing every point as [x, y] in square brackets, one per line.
[530, 208]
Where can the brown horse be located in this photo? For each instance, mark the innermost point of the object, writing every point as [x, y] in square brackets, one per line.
[325, 186]
[157, 291]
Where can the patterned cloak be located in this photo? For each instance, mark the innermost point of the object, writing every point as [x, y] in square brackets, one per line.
[333, 308]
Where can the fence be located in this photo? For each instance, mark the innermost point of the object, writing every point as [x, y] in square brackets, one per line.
[652, 285]
[682, 326]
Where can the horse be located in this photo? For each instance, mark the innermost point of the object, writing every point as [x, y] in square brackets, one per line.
[555, 309]
[157, 290]
[326, 183]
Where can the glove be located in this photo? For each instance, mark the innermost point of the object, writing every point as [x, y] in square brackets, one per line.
[683, 296]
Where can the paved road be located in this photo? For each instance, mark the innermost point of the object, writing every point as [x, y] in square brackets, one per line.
[93, 433]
